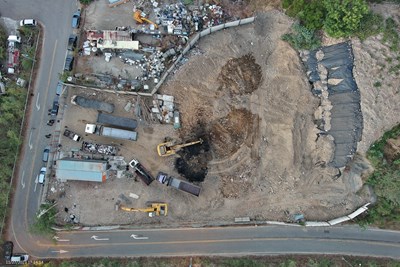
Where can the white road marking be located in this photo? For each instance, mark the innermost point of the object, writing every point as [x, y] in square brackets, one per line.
[37, 102]
[60, 240]
[30, 137]
[59, 251]
[22, 180]
[36, 182]
[99, 239]
[137, 237]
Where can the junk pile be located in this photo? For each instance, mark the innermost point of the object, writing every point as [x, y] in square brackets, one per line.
[152, 65]
[178, 20]
[98, 148]
[163, 108]
[330, 70]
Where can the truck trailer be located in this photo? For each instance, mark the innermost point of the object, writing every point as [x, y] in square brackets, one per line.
[178, 184]
[141, 171]
[120, 122]
[111, 132]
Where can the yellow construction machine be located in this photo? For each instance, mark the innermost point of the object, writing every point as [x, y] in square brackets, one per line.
[137, 16]
[168, 149]
[154, 209]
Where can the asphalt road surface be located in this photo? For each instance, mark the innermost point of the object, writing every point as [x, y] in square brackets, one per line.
[55, 16]
[254, 240]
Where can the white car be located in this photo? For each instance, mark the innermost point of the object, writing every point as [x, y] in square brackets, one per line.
[42, 175]
[28, 22]
[18, 259]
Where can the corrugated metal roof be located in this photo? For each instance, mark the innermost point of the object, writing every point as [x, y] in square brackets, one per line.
[81, 170]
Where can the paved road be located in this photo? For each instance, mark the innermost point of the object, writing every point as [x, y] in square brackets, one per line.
[255, 240]
[56, 15]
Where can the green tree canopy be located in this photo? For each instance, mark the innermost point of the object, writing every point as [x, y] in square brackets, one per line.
[343, 16]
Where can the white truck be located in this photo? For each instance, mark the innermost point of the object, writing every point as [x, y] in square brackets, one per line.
[111, 132]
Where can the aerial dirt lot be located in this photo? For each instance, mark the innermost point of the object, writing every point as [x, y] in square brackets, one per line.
[244, 92]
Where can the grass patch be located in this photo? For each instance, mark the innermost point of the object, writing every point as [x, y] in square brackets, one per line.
[45, 220]
[377, 84]
[251, 261]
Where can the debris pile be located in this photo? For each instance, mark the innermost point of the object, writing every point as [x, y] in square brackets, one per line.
[163, 107]
[98, 148]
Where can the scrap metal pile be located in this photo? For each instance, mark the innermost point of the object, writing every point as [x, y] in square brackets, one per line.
[98, 148]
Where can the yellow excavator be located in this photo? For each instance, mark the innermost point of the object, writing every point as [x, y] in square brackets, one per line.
[155, 209]
[168, 149]
[137, 16]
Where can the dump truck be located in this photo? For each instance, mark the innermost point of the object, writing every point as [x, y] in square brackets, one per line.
[154, 209]
[168, 148]
[178, 184]
[111, 132]
[120, 122]
[71, 135]
[92, 103]
[141, 171]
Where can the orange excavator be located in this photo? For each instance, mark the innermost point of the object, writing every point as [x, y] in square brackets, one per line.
[137, 16]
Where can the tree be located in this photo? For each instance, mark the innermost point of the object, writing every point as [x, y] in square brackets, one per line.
[343, 16]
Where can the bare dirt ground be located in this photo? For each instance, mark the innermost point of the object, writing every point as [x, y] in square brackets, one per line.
[379, 82]
[245, 93]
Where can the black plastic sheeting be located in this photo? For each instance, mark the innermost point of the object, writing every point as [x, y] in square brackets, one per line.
[346, 117]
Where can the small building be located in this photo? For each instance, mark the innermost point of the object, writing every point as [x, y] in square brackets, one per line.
[82, 170]
[112, 40]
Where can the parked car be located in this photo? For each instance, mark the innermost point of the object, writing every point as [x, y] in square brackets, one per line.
[42, 175]
[18, 259]
[60, 88]
[69, 62]
[46, 153]
[8, 247]
[72, 41]
[76, 19]
[28, 23]
[54, 108]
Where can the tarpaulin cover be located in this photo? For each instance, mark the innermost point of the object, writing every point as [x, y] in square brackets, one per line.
[346, 117]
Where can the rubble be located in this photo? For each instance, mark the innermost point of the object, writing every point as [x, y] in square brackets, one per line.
[163, 108]
[98, 148]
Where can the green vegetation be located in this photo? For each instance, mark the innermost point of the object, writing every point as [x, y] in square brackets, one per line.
[302, 38]
[12, 107]
[377, 84]
[391, 35]
[85, 2]
[385, 181]
[45, 220]
[3, 43]
[343, 18]
[270, 261]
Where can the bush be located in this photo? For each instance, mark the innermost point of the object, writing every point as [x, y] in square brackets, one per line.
[344, 16]
[302, 38]
[385, 182]
[371, 24]
[85, 2]
[313, 14]
[45, 220]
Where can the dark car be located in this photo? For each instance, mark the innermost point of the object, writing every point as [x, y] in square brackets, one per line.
[76, 19]
[46, 153]
[54, 108]
[8, 247]
[72, 40]
[69, 62]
